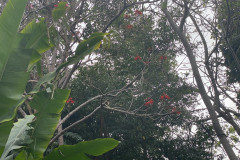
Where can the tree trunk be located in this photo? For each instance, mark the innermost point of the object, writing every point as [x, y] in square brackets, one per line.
[217, 127]
[60, 139]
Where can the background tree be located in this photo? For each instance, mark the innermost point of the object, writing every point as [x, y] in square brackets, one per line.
[150, 136]
[229, 26]
[140, 66]
[213, 102]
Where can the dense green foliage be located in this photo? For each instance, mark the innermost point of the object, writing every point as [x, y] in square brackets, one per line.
[124, 61]
[229, 23]
[144, 137]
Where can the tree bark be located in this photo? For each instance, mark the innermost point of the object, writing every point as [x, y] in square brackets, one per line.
[224, 114]
[217, 127]
[60, 138]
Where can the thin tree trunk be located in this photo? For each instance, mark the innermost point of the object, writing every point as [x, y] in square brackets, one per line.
[217, 127]
[60, 138]
[225, 115]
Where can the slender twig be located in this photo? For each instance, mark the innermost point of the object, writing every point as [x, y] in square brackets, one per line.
[110, 94]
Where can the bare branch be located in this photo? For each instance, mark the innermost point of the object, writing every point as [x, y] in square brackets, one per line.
[74, 124]
[185, 15]
[203, 93]
[137, 114]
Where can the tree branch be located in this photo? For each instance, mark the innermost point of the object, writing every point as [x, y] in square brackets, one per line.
[22, 111]
[203, 93]
[123, 9]
[225, 115]
[74, 124]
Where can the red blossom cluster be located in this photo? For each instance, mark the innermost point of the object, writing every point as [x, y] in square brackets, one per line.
[149, 102]
[70, 100]
[164, 96]
[137, 12]
[174, 109]
[66, 5]
[137, 58]
[126, 16]
[163, 57]
[129, 26]
[56, 5]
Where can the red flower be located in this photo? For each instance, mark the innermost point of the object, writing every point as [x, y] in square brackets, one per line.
[70, 100]
[162, 97]
[149, 102]
[129, 26]
[178, 112]
[126, 16]
[137, 58]
[166, 96]
[137, 12]
[163, 57]
[174, 109]
[147, 62]
[66, 5]
[55, 5]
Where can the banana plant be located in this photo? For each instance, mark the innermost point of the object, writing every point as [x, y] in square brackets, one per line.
[20, 52]
[18, 138]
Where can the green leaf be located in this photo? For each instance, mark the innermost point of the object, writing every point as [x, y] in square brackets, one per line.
[17, 56]
[34, 59]
[18, 137]
[23, 155]
[5, 129]
[235, 139]
[46, 78]
[37, 35]
[84, 48]
[59, 11]
[12, 77]
[49, 107]
[39, 69]
[9, 23]
[231, 130]
[80, 151]
[13, 82]
[89, 44]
